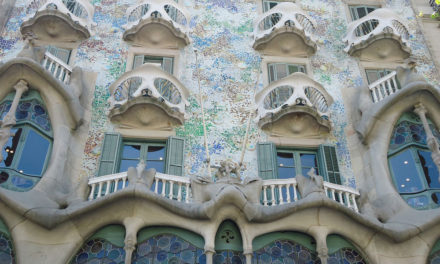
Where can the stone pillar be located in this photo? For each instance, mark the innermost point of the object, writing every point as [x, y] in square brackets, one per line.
[433, 145]
[209, 252]
[248, 256]
[320, 234]
[9, 120]
[132, 226]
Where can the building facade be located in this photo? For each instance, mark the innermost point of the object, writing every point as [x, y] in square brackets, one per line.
[251, 131]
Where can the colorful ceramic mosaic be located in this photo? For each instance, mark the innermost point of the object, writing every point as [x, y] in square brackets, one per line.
[285, 251]
[229, 257]
[6, 250]
[345, 256]
[32, 111]
[165, 248]
[99, 251]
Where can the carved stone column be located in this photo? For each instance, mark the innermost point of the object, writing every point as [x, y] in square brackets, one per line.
[9, 120]
[433, 145]
[209, 252]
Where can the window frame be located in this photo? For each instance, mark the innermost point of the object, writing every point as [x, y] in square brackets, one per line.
[352, 7]
[143, 152]
[154, 57]
[154, 52]
[273, 65]
[264, 6]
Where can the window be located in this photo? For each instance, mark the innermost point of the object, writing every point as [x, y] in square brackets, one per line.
[152, 153]
[361, 11]
[119, 154]
[293, 162]
[283, 163]
[26, 153]
[278, 71]
[165, 63]
[415, 174]
[267, 5]
[375, 74]
[60, 53]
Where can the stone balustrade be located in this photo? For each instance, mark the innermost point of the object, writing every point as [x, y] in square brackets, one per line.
[379, 22]
[80, 11]
[169, 10]
[295, 89]
[281, 191]
[384, 87]
[60, 70]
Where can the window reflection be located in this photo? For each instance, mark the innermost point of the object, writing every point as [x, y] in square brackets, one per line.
[152, 154]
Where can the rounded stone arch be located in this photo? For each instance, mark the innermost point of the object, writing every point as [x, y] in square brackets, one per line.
[434, 254]
[168, 244]
[283, 245]
[7, 252]
[341, 250]
[107, 243]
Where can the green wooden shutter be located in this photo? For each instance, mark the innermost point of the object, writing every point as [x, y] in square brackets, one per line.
[138, 61]
[328, 161]
[267, 167]
[174, 164]
[109, 154]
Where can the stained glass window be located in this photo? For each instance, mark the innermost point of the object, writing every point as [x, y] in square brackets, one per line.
[100, 251]
[7, 255]
[345, 256]
[285, 251]
[167, 248]
[414, 172]
[27, 151]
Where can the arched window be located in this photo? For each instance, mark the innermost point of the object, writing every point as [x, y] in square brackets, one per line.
[7, 254]
[26, 152]
[340, 251]
[169, 245]
[414, 172]
[228, 244]
[105, 246]
[284, 247]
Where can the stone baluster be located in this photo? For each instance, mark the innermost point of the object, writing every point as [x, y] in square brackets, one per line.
[433, 144]
[9, 120]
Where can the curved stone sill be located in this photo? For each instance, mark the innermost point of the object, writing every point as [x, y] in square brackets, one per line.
[308, 44]
[132, 32]
[78, 32]
[28, 68]
[356, 49]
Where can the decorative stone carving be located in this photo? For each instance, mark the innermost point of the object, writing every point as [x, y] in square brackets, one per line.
[141, 176]
[313, 184]
[204, 190]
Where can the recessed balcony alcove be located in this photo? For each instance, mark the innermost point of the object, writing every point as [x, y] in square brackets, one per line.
[147, 97]
[380, 35]
[58, 20]
[154, 23]
[295, 106]
[285, 30]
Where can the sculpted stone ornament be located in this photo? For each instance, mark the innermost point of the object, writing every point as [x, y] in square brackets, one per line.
[312, 185]
[141, 176]
[228, 187]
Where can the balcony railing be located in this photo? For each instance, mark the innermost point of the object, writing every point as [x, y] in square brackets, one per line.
[295, 89]
[60, 70]
[149, 81]
[375, 23]
[384, 87]
[169, 186]
[281, 191]
[169, 10]
[81, 11]
[274, 192]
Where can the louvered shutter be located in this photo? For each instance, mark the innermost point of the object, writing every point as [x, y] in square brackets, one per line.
[138, 61]
[329, 164]
[267, 168]
[167, 65]
[109, 154]
[174, 164]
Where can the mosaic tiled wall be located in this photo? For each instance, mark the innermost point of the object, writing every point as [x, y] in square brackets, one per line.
[222, 31]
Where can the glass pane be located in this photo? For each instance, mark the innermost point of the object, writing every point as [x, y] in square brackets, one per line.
[308, 160]
[286, 172]
[285, 159]
[4, 176]
[131, 151]
[158, 165]
[293, 68]
[405, 173]
[125, 164]
[372, 76]
[361, 12]
[418, 201]
[156, 153]
[429, 169]
[33, 154]
[281, 71]
[10, 148]
[271, 73]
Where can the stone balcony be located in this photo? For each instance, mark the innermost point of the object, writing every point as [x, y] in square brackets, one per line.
[147, 97]
[380, 35]
[155, 23]
[59, 20]
[285, 30]
[294, 106]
